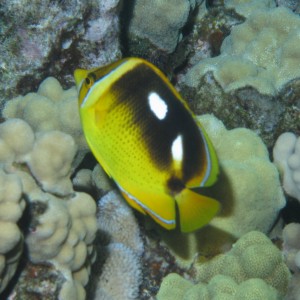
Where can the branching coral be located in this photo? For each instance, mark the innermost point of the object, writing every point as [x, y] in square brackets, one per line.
[286, 153]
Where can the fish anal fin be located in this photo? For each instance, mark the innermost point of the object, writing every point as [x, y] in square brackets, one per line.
[159, 206]
[133, 203]
[195, 210]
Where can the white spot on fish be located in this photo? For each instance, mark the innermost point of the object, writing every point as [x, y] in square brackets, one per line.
[177, 149]
[157, 105]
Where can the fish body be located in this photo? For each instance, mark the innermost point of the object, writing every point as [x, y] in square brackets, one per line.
[147, 140]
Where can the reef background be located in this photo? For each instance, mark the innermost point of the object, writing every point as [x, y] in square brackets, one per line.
[228, 58]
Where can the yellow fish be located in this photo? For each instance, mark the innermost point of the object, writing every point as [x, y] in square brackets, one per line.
[146, 138]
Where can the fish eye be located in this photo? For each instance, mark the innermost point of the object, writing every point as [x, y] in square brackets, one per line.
[89, 81]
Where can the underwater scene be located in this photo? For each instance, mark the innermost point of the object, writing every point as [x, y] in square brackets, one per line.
[150, 149]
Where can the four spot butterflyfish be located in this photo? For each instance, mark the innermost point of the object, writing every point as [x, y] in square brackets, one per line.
[147, 140]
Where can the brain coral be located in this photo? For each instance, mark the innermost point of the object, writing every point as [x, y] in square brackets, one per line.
[286, 153]
[252, 256]
[60, 223]
[263, 52]
[222, 287]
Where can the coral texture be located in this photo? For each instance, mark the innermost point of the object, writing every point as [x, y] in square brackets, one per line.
[286, 154]
[61, 223]
[40, 38]
[250, 55]
[121, 275]
[248, 189]
[246, 7]
[252, 256]
[219, 287]
[12, 205]
[291, 246]
[51, 108]
[165, 32]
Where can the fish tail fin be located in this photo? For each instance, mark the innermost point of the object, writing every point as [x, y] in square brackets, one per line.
[195, 210]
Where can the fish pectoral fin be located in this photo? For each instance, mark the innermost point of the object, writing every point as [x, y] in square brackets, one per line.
[195, 210]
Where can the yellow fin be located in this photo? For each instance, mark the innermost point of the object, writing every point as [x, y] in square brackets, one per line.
[132, 203]
[158, 205]
[195, 210]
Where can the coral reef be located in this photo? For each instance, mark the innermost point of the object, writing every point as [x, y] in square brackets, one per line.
[252, 256]
[61, 223]
[248, 83]
[40, 38]
[243, 60]
[51, 108]
[291, 252]
[286, 154]
[12, 206]
[247, 7]
[100, 180]
[219, 287]
[124, 249]
[243, 188]
[157, 40]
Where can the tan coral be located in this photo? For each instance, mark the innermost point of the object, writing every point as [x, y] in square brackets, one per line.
[263, 52]
[243, 189]
[61, 228]
[51, 108]
[50, 161]
[12, 206]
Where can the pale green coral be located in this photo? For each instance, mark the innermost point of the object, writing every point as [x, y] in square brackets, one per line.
[252, 269]
[220, 287]
[253, 256]
[263, 52]
[246, 7]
